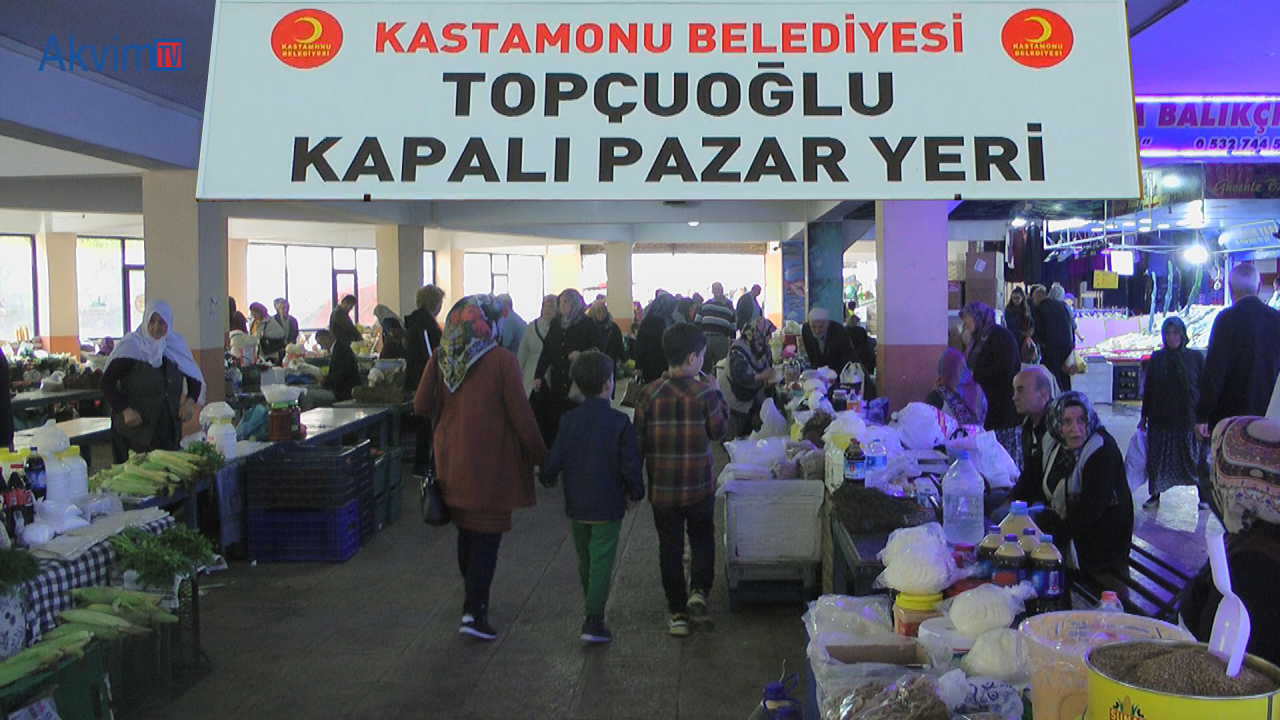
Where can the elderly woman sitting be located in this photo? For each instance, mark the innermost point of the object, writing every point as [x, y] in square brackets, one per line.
[1085, 490]
[955, 392]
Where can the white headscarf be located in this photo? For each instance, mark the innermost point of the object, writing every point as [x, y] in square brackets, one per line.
[139, 345]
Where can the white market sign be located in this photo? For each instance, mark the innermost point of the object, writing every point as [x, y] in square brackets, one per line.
[642, 101]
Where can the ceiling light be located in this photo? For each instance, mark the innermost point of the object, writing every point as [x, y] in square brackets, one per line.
[1196, 254]
[1164, 226]
[1112, 226]
[693, 223]
[1145, 221]
[1171, 182]
[1019, 222]
[1129, 223]
[1184, 222]
[1068, 224]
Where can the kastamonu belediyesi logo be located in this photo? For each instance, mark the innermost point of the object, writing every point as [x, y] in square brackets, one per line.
[1038, 38]
[306, 39]
[157, 55]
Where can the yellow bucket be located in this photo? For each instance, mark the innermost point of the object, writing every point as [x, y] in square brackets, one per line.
[1111, 699]
[1057, 643]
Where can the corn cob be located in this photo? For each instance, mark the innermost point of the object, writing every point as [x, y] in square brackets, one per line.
[104, 594]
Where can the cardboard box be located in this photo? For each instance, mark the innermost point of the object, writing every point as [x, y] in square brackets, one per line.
[890, 653]
[955, 294]
[990, 292]
[984, 266]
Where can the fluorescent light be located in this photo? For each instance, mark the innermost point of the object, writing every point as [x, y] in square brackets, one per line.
[1144, 221]
[693, 223]
[1068, 224]
[1171, 182]
[1129, 223]
[1112, 226]
[1019, 222]
[1196, 254]
[1164, 226]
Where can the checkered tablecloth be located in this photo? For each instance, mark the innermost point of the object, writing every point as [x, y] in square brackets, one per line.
[50, 592]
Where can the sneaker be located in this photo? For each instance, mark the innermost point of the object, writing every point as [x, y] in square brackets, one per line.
[1153, 501]
[477, 628]
[697, 604]
[678, 625]
[594, 630]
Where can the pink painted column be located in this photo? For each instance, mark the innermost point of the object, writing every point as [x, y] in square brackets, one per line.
[911, 291]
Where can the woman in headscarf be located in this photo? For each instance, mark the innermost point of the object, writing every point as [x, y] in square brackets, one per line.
[1175, 453]
[574, 333]
[993, 358]
[391, 334]
[1018, 320]
[145, 379]
[1244, 476]
[659, 316]
[1085, 489]
[955, 392]
[611, 334]
[486, 444]
[750, 374]
[270, 334]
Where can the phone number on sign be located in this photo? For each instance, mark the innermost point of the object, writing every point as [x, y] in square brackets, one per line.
[1230, 143]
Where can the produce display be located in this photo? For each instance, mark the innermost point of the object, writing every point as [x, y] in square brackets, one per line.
[1199, 320]
[1178, 669]
[43, 656]
[910, 698]
[155, 473]
[870, 512]
[156, 559]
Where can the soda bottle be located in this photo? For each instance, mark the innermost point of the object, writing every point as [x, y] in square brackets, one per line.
[1017, 520]
[1010, 563]
[962, 508]
[1046, 576]
[17, 506]
[1029, 541]
[855, 464]
[987, 552]
[877, 465]
[35, 472]
[1110, 603]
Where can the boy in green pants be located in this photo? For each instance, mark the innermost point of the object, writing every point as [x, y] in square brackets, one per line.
[597, 454]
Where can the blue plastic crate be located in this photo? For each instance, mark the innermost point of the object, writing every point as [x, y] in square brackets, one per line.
[298, 477]
[304, 536]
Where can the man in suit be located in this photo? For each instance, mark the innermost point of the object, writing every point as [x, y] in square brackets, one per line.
[748, 308]
[1243, 361]
[826, 343]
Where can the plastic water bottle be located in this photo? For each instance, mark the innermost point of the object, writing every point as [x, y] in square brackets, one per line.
[777, 703]
[877, 465]
[1110, 603]
[962, 510]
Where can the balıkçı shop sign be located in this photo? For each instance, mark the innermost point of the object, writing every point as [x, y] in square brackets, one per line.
[578, 101]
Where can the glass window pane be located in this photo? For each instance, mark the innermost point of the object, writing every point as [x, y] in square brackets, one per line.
[429, 268]
[499, 264]
[134, 252]
[367, 281]
[17, 293]
[476, 278]
[100, 288]
[500, 284]
[526, 285]
[344, 259]
[310, 286]
[137, 291]
[264, 277]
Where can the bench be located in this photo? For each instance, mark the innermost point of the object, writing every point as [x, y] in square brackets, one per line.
[1150, 587]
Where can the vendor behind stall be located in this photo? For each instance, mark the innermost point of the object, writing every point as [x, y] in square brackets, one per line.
[344, 372]
[144, 384]
[826, 343]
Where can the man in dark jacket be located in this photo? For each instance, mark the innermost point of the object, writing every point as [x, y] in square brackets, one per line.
[344, 373]
[6, 412]
[1244, 356]
[748, 308]
[1032, 393]
[340, 324]
[826, 343]
[1054, 334]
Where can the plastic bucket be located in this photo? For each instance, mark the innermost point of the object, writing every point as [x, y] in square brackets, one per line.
[1057, 644]
[1112, 698]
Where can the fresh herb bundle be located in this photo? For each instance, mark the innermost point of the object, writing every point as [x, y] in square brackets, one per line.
[213, 460]
[157, 558]
[16, 568]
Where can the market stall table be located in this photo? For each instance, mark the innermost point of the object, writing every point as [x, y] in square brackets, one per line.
[327, 426]
[82, 432]
[39, 398]
[396, 413]
[856, 557]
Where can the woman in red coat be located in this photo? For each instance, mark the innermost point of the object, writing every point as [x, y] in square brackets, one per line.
[486, 444]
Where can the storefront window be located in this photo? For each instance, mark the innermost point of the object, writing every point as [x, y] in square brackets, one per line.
[312, 278]
[310, 282]
[521, 276]
[17, 286]
[264, 277]
[111, 285]
[367, 282]
[428, 268]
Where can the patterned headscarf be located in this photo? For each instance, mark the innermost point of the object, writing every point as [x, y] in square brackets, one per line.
[470, 331]
[755, 336]
[578, 309]
[963, 396]
[1245, 471]
[664, 306]
[983, 320]
[1059, 407]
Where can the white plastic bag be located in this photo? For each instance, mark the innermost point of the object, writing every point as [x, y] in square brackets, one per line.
[994, 462]
[986, 607]
[917, 561]
[50, 440]
[214, 412]
[921, 426]
[1135, 460]
[1001, 654]
[761, 453]
[773, 424]
[965, 695]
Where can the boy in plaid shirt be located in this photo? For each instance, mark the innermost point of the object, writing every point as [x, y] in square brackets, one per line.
[676, 419]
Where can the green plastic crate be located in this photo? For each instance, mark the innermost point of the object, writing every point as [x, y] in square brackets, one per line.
[78, 686]
[140, 668]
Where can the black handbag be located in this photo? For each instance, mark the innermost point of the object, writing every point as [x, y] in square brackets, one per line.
[434, 511]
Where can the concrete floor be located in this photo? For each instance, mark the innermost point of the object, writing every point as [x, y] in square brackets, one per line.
[377, 635]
